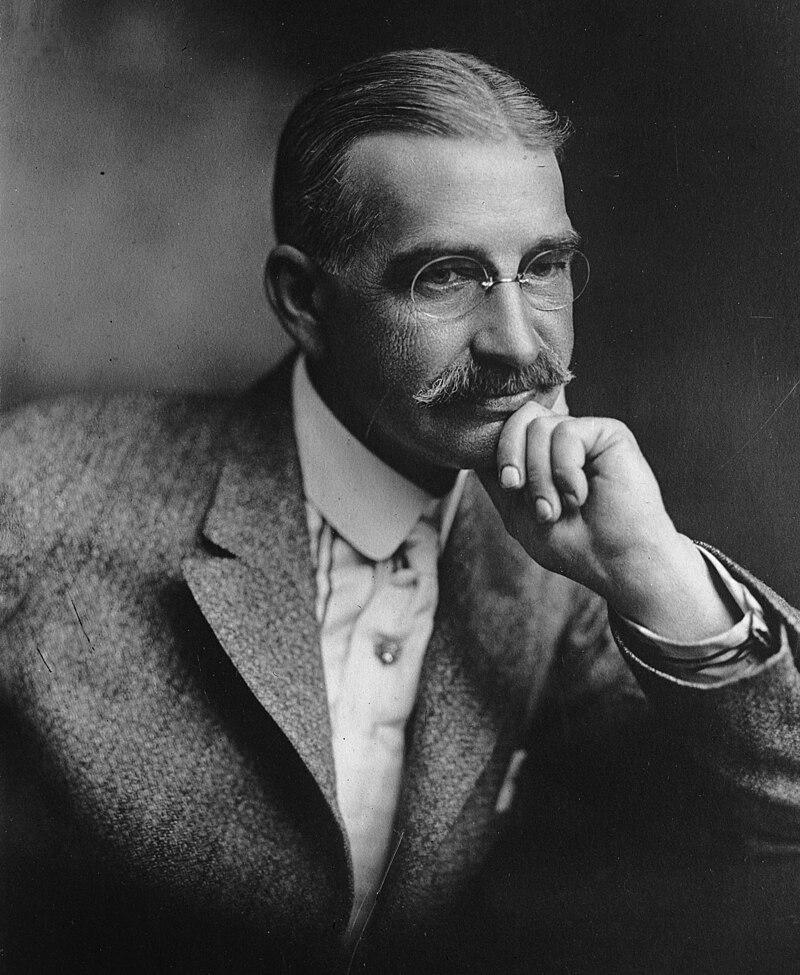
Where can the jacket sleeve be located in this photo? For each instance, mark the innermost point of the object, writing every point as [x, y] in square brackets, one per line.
[742, 736]
[620, 733]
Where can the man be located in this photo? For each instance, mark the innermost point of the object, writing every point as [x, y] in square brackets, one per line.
[270, 666]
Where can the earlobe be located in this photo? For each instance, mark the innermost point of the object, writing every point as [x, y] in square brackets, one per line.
[291, 281]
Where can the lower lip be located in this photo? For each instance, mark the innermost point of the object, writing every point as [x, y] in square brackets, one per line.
[502, 405]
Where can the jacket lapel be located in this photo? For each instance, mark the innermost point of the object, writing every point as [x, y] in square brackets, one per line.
[255, 583]
[483, 674]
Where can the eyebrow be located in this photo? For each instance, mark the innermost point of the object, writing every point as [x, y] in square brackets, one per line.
[412, 259]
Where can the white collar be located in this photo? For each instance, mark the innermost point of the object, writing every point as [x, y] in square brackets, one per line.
[368, 503]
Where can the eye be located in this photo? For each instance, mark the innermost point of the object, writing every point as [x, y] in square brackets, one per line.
[548, 266]
[439, 277]
[445, 276]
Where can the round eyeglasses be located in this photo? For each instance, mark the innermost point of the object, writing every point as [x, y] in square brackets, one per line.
[449, 287]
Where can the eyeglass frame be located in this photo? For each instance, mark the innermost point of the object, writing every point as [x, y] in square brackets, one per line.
[491, 280]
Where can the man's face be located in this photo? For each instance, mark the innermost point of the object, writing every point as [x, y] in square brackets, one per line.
[499, 202]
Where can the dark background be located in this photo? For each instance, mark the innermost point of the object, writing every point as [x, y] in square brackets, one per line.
[138, 141]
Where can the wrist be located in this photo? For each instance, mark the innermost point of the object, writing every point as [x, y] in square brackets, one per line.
[667, 588]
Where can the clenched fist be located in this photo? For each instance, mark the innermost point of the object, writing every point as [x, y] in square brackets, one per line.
[579, 496]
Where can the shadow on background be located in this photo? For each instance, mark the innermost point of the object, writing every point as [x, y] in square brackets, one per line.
[138, 142]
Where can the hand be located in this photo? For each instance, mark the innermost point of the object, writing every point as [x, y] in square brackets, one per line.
[587, 505]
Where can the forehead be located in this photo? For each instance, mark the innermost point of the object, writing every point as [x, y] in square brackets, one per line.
[497, 196]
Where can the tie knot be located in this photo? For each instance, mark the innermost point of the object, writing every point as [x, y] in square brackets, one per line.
[420, 551]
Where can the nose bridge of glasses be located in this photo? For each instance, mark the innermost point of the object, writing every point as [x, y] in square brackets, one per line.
[490, 281]
[510, 308]
[508, 327]
[533, 295]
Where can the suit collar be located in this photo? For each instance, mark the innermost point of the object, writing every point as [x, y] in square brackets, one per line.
[260, 602]
[257, 512]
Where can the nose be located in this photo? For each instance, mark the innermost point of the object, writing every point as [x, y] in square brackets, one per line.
[510, 330]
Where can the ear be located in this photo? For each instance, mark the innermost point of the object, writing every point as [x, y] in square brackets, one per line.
[293, 286]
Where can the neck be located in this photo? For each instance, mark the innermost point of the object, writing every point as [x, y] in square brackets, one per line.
[435, 479]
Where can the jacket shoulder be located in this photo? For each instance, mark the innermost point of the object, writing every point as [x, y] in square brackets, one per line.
[73, 443]
[48, 429]
[75, 468]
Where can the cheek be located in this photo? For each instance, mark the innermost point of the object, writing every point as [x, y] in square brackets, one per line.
[404, 354]
[419, 353]
[560, 336]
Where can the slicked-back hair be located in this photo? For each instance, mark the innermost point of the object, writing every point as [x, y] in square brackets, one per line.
[423, 92]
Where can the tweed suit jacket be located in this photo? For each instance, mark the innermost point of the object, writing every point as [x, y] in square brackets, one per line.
[169, 788]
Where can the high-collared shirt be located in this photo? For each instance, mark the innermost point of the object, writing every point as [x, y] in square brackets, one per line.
[375, 541]
[375, 537]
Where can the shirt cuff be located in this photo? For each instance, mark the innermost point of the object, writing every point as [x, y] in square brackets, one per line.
[735, 653]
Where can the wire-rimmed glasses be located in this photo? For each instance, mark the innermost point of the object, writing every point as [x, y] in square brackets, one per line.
[448, 287]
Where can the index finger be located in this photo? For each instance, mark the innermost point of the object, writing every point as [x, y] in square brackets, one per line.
[511, 448]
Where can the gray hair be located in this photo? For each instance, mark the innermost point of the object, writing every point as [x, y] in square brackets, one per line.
[424, 92]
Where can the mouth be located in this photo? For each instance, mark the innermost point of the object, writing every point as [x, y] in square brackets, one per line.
[498, 406]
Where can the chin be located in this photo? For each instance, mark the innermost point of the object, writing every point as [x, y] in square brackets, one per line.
[474, 448]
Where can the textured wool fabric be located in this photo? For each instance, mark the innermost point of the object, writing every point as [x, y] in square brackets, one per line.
[169, 795]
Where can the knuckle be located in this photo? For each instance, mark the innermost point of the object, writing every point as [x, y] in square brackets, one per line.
[563, 473]
[625, 436]
[618, 427]
[541, 427]
[611, 428]
[564, 430]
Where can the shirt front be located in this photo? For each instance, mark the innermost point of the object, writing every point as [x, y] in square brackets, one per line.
[375, 541]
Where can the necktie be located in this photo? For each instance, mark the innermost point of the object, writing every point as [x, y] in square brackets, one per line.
[378, 619]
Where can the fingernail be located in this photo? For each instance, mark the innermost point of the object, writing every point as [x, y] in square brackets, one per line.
[544, 510]
[572, 500]
[510, 477]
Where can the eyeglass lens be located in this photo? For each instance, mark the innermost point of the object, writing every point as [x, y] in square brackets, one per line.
[448, 287]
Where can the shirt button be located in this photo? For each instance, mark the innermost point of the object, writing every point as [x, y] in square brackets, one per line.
[387, 649]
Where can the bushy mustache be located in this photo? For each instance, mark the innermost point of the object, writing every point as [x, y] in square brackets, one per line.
[472, 380]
